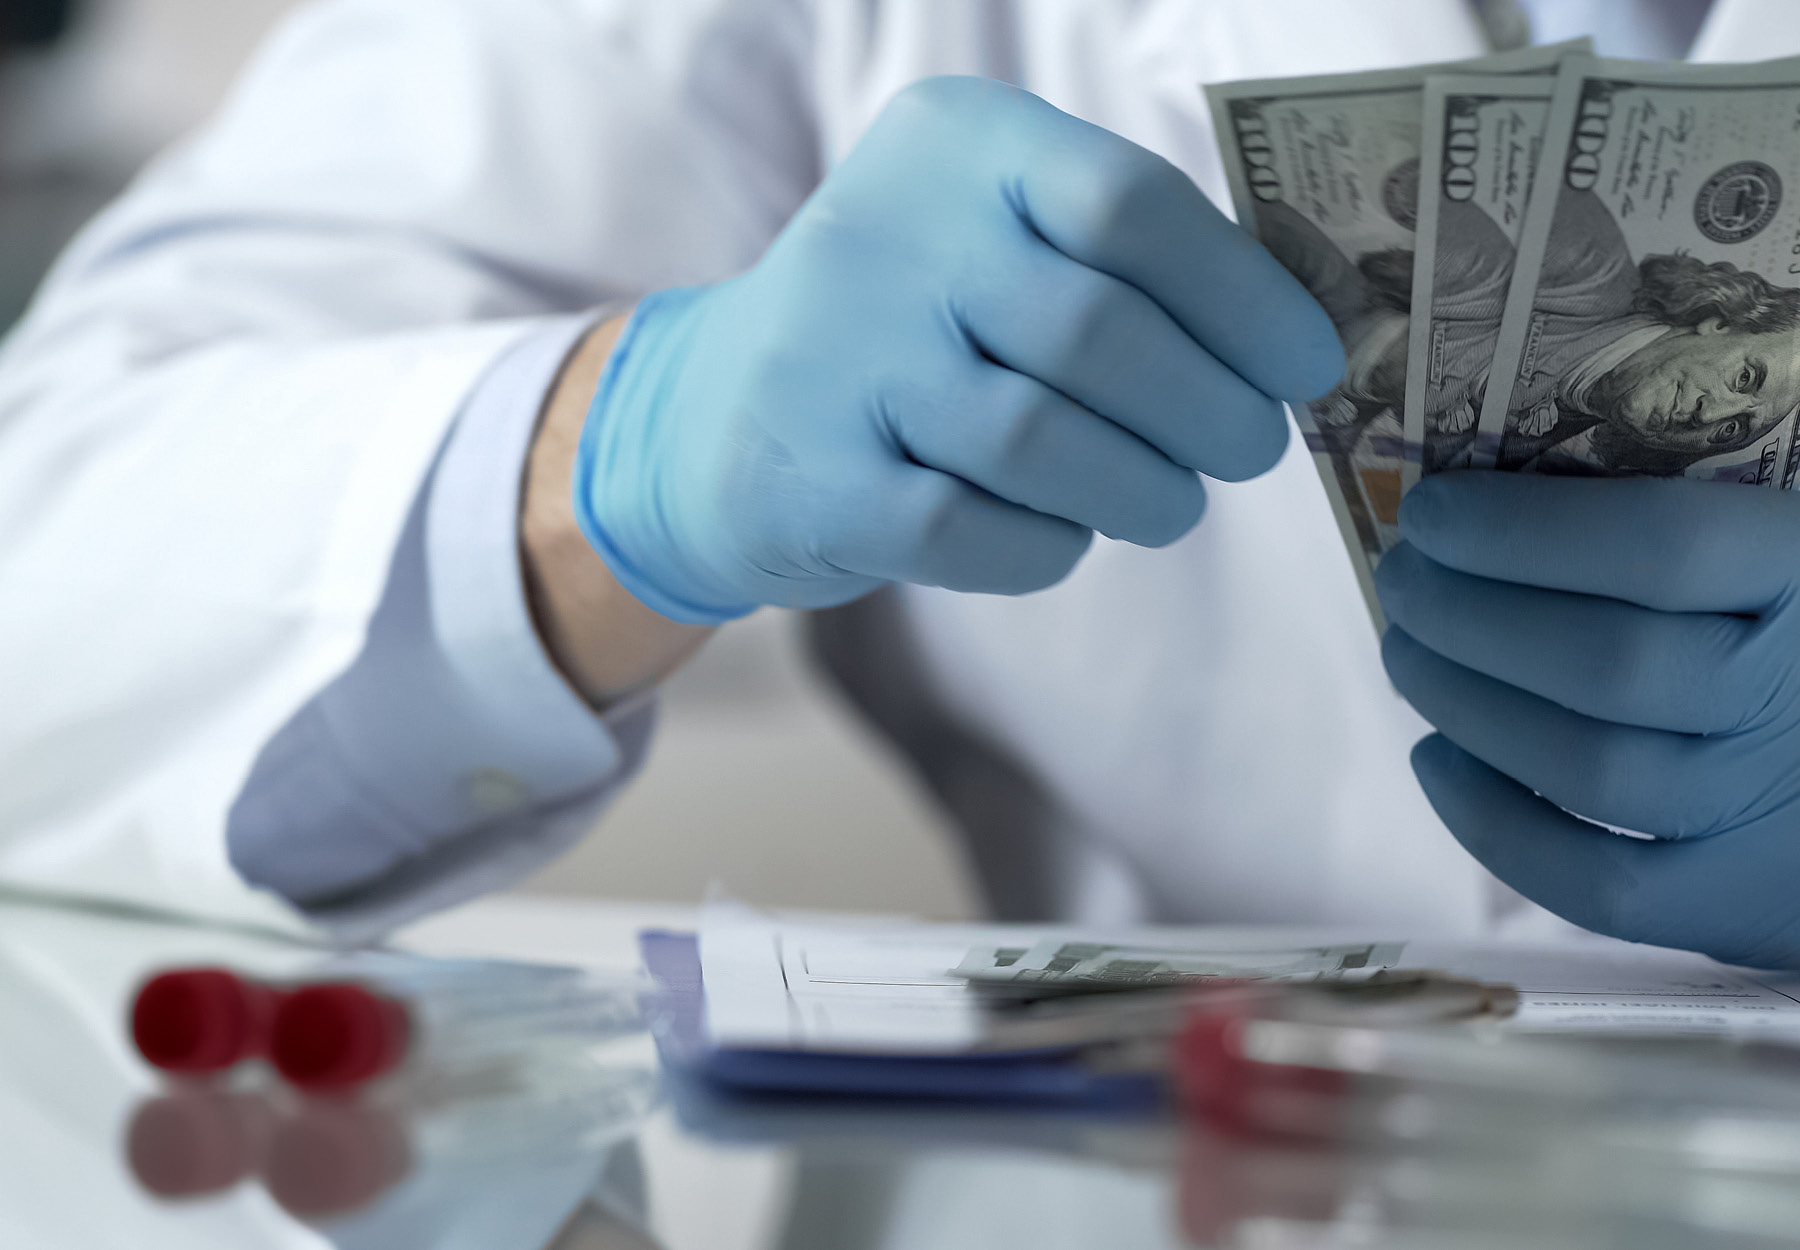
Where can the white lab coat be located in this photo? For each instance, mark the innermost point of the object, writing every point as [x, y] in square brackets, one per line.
[214, 422]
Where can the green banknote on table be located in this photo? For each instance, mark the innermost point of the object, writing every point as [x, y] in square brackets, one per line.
[1063, 966]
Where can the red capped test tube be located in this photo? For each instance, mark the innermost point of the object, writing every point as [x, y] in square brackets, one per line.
[337, 1035]
[389, 1014]
[194, 1021]
[383, 1012]
[1238, 1094]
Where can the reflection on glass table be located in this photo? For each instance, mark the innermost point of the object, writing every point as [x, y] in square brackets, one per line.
[579, 1142]
[534, 1151]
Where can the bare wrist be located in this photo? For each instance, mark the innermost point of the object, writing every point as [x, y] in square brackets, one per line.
[606, 643]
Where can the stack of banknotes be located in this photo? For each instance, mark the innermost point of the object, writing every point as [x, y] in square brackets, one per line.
[1063, 991]
[1539, 262]
[1063, 965]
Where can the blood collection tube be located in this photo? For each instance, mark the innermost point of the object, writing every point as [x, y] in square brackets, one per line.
[341, 1033]
[201, 1020]
[1406, 1088]
[337, 1035]
[364, 1016]
[1216, 1079]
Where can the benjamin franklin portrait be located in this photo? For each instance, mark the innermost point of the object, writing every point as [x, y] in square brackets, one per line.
[1631, 367]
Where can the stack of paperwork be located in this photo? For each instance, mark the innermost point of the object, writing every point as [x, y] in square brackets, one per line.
[755, 1002]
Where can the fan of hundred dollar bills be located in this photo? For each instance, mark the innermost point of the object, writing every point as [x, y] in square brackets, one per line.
[1495, 318]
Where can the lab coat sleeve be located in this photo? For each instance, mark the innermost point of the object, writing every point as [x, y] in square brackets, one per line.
[451, 756]
[225, 406]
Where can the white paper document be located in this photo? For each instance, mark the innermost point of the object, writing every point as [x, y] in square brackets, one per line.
[1602, 986]
[885, 990]
[889, 988]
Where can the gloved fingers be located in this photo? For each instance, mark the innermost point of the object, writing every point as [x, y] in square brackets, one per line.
[1670, 785]
[1019, 440]
[1686, 672]
[1730, 897]
[933, 529]
[1110, 348]
[1113, 206]
[1671, 544]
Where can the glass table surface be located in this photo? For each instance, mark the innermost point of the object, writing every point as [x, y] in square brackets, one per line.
[99, 1150]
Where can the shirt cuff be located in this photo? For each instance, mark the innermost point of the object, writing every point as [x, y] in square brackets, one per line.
[451, 757]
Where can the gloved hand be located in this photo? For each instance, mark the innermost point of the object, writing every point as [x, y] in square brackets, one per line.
[992, 330]
[1630, 650]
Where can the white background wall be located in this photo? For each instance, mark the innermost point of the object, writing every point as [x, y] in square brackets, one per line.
[759, 781]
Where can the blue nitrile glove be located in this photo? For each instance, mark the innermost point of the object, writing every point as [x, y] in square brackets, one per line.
[1630, 650]
[993, 329]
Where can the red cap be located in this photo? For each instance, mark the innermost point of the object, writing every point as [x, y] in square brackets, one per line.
[1215, 1079]
[336, 1034]
[201, 1019]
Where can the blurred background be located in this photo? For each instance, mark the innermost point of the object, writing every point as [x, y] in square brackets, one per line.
[761, 780]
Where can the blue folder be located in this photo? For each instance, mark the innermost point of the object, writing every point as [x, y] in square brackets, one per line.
[678, 1020]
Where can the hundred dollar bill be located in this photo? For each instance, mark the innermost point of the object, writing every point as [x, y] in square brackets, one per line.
[1653, 325]
[1325, 173]
[1382, 1000]
[1482, 138]
[1057, 965]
